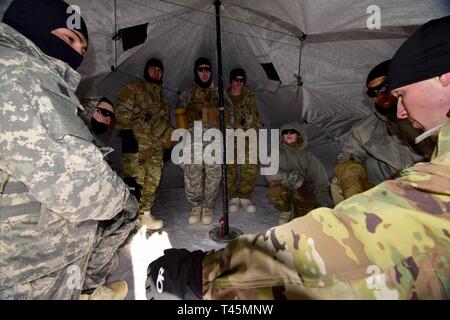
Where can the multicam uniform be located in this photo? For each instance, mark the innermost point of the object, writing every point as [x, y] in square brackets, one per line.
[201, 181]
[245, 117]
[55, 187]
[142, 107]
[391, 242]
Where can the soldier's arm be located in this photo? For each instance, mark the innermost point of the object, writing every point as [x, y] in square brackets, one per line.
[68, 175]
[126, 98]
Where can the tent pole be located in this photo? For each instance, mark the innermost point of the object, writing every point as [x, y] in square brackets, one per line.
[223, 233]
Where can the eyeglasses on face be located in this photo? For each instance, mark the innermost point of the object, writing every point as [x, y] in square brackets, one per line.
[204, 69]
[373, 92]
[104, 112]
[288, 131]
[238, 79]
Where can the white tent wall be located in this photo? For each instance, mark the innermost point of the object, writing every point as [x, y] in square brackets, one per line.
[337, 53]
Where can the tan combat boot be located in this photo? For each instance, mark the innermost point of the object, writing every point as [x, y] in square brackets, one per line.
[194, 216]
[284, 217]
[111, 291]
[146, 219]
[248, 205]
[207, 215]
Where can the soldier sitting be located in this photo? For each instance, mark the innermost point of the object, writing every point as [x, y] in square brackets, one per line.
[380, 146]
[100, 119]
[301, 183]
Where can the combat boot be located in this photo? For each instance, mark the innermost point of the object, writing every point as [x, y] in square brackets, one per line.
[146, 219]
[207, 215]
[194, 216]
[233, 206]
[112, 291]
[284, 217]
[248, 205]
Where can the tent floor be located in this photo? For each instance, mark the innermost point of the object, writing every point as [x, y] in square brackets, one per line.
[171, 206]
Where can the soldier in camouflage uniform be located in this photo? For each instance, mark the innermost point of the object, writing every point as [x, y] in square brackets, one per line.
[63, 211]
[301, 183]
[201, 181]
[142, 107]
[246, 117]
[378, 147]
[390, 242]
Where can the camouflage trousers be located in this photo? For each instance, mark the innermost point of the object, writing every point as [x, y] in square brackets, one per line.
[241, 185]
[147, 174]
[298, 201]
[88, 272]
[202, 183]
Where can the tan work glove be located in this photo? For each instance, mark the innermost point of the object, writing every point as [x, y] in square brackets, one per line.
[352, 178]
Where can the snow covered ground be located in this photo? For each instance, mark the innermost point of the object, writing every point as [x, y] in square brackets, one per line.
[171, 206]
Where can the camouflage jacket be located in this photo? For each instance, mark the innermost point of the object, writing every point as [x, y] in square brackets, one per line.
[54, 183]
[300, 160]
[244, 109]
[390, 242]
[375, 143]
[142, 107]
[195, 96]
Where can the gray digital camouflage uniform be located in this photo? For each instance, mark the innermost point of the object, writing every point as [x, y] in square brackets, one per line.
[60, 202]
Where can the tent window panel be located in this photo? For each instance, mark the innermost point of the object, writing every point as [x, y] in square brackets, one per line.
[133, 36]
[271, 72]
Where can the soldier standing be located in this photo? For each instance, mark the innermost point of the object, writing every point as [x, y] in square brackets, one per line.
[142, 107]
[202, 181]
[245, 117]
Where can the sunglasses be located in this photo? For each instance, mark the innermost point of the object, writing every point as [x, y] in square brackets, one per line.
[104, 112]
[238, 79]
[204, 69]
[373, 92]
[289, 131]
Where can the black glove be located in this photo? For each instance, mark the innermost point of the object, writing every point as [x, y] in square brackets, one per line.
[176, 275]
[129, 142]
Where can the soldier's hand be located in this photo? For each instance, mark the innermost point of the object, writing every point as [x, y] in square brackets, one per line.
[176, 275]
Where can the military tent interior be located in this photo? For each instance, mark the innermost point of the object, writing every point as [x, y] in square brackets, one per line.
[306, 60]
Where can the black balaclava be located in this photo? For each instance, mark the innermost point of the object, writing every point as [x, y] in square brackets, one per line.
[198, 81]
[239, 73]
[35, 19]
[153, 62]
[98, 127]
[424, 55]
